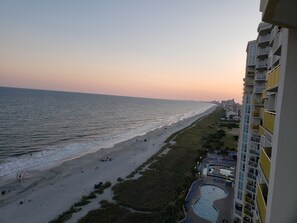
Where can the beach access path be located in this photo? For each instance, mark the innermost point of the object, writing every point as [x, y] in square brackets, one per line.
[44, 195]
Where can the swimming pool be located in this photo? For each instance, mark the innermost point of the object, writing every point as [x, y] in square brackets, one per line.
[204, 206]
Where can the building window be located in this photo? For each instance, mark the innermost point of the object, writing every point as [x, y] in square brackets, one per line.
[239, 195]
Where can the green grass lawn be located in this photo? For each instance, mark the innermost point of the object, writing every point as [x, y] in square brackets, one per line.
[229, 142]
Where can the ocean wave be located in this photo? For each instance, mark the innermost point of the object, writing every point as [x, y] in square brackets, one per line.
[55, 155]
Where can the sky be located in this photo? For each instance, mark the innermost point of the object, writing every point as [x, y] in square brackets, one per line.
[172, 49]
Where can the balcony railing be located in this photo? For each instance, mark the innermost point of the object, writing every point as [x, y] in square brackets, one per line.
[255, 126]
[249, 200]
[249, 213]
[251, 176]
[251, 188]
[256, 113]
[255, 139]
[262, 110]
[257, 102]
[277, 43]
[275, 59]
[264, 94]
[261, 202]
[261, 130]
[268, 121]
[253, 163]
[260, 77]
[263, 51]
[265, 38]
[261, 64]
[250, 73]
[239, 213]
[273, 78]
[258, 90]
[248, 81]
[265, 161]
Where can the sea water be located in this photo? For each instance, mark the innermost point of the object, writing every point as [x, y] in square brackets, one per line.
[40, 129]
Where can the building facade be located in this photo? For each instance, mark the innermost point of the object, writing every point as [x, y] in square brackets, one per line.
[266, 178]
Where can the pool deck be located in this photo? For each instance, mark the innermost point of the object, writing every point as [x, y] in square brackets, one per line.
[224, 205]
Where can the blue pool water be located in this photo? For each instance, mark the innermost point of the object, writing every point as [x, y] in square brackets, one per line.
[204, 206]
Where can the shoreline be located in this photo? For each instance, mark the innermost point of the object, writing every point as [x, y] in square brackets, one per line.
[47, 194]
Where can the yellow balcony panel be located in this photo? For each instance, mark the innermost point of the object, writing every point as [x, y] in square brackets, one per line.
[261, 130]
[261, 201]
[262, 112]
[268, 121]
[273, 79]
[265, 161]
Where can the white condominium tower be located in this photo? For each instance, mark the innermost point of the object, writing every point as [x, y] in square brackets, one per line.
[266, 177]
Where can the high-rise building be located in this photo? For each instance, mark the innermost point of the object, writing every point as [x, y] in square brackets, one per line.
[266, 177]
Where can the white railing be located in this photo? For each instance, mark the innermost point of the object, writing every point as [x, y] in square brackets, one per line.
[275, 59]
[277, 41]
[265, 38]
[261, 63]
[260, 77]
[258, 90]
[263, 51]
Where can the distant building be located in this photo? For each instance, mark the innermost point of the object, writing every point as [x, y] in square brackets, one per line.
[215, 102]
[232, 109]
[266, 176]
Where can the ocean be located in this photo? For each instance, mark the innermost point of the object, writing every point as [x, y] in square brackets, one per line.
[40, 129]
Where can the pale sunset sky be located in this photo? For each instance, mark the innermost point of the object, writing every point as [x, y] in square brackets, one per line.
[173, 49]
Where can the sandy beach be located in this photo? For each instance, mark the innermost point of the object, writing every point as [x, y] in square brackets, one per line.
[41, 196]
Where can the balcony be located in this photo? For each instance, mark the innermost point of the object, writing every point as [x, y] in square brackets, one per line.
[261, 64]
[256, 113]
[253, 163]
[250, 73]
[262, 191]
[248, 81]
[265, 161]
[251, 176]
[261, 130]
[248, 212]
[249, 200]
[255, 139]
[264, 94]
[257, 102]
[260, 77]
[239, 213]
[277, 43]
[264, 39]
[263, 51]
[268, 121]
[275, 60]
[273, 33]
[273, 79]
[264, 28]
[251, 189]
[255, 126]
[262, 110]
